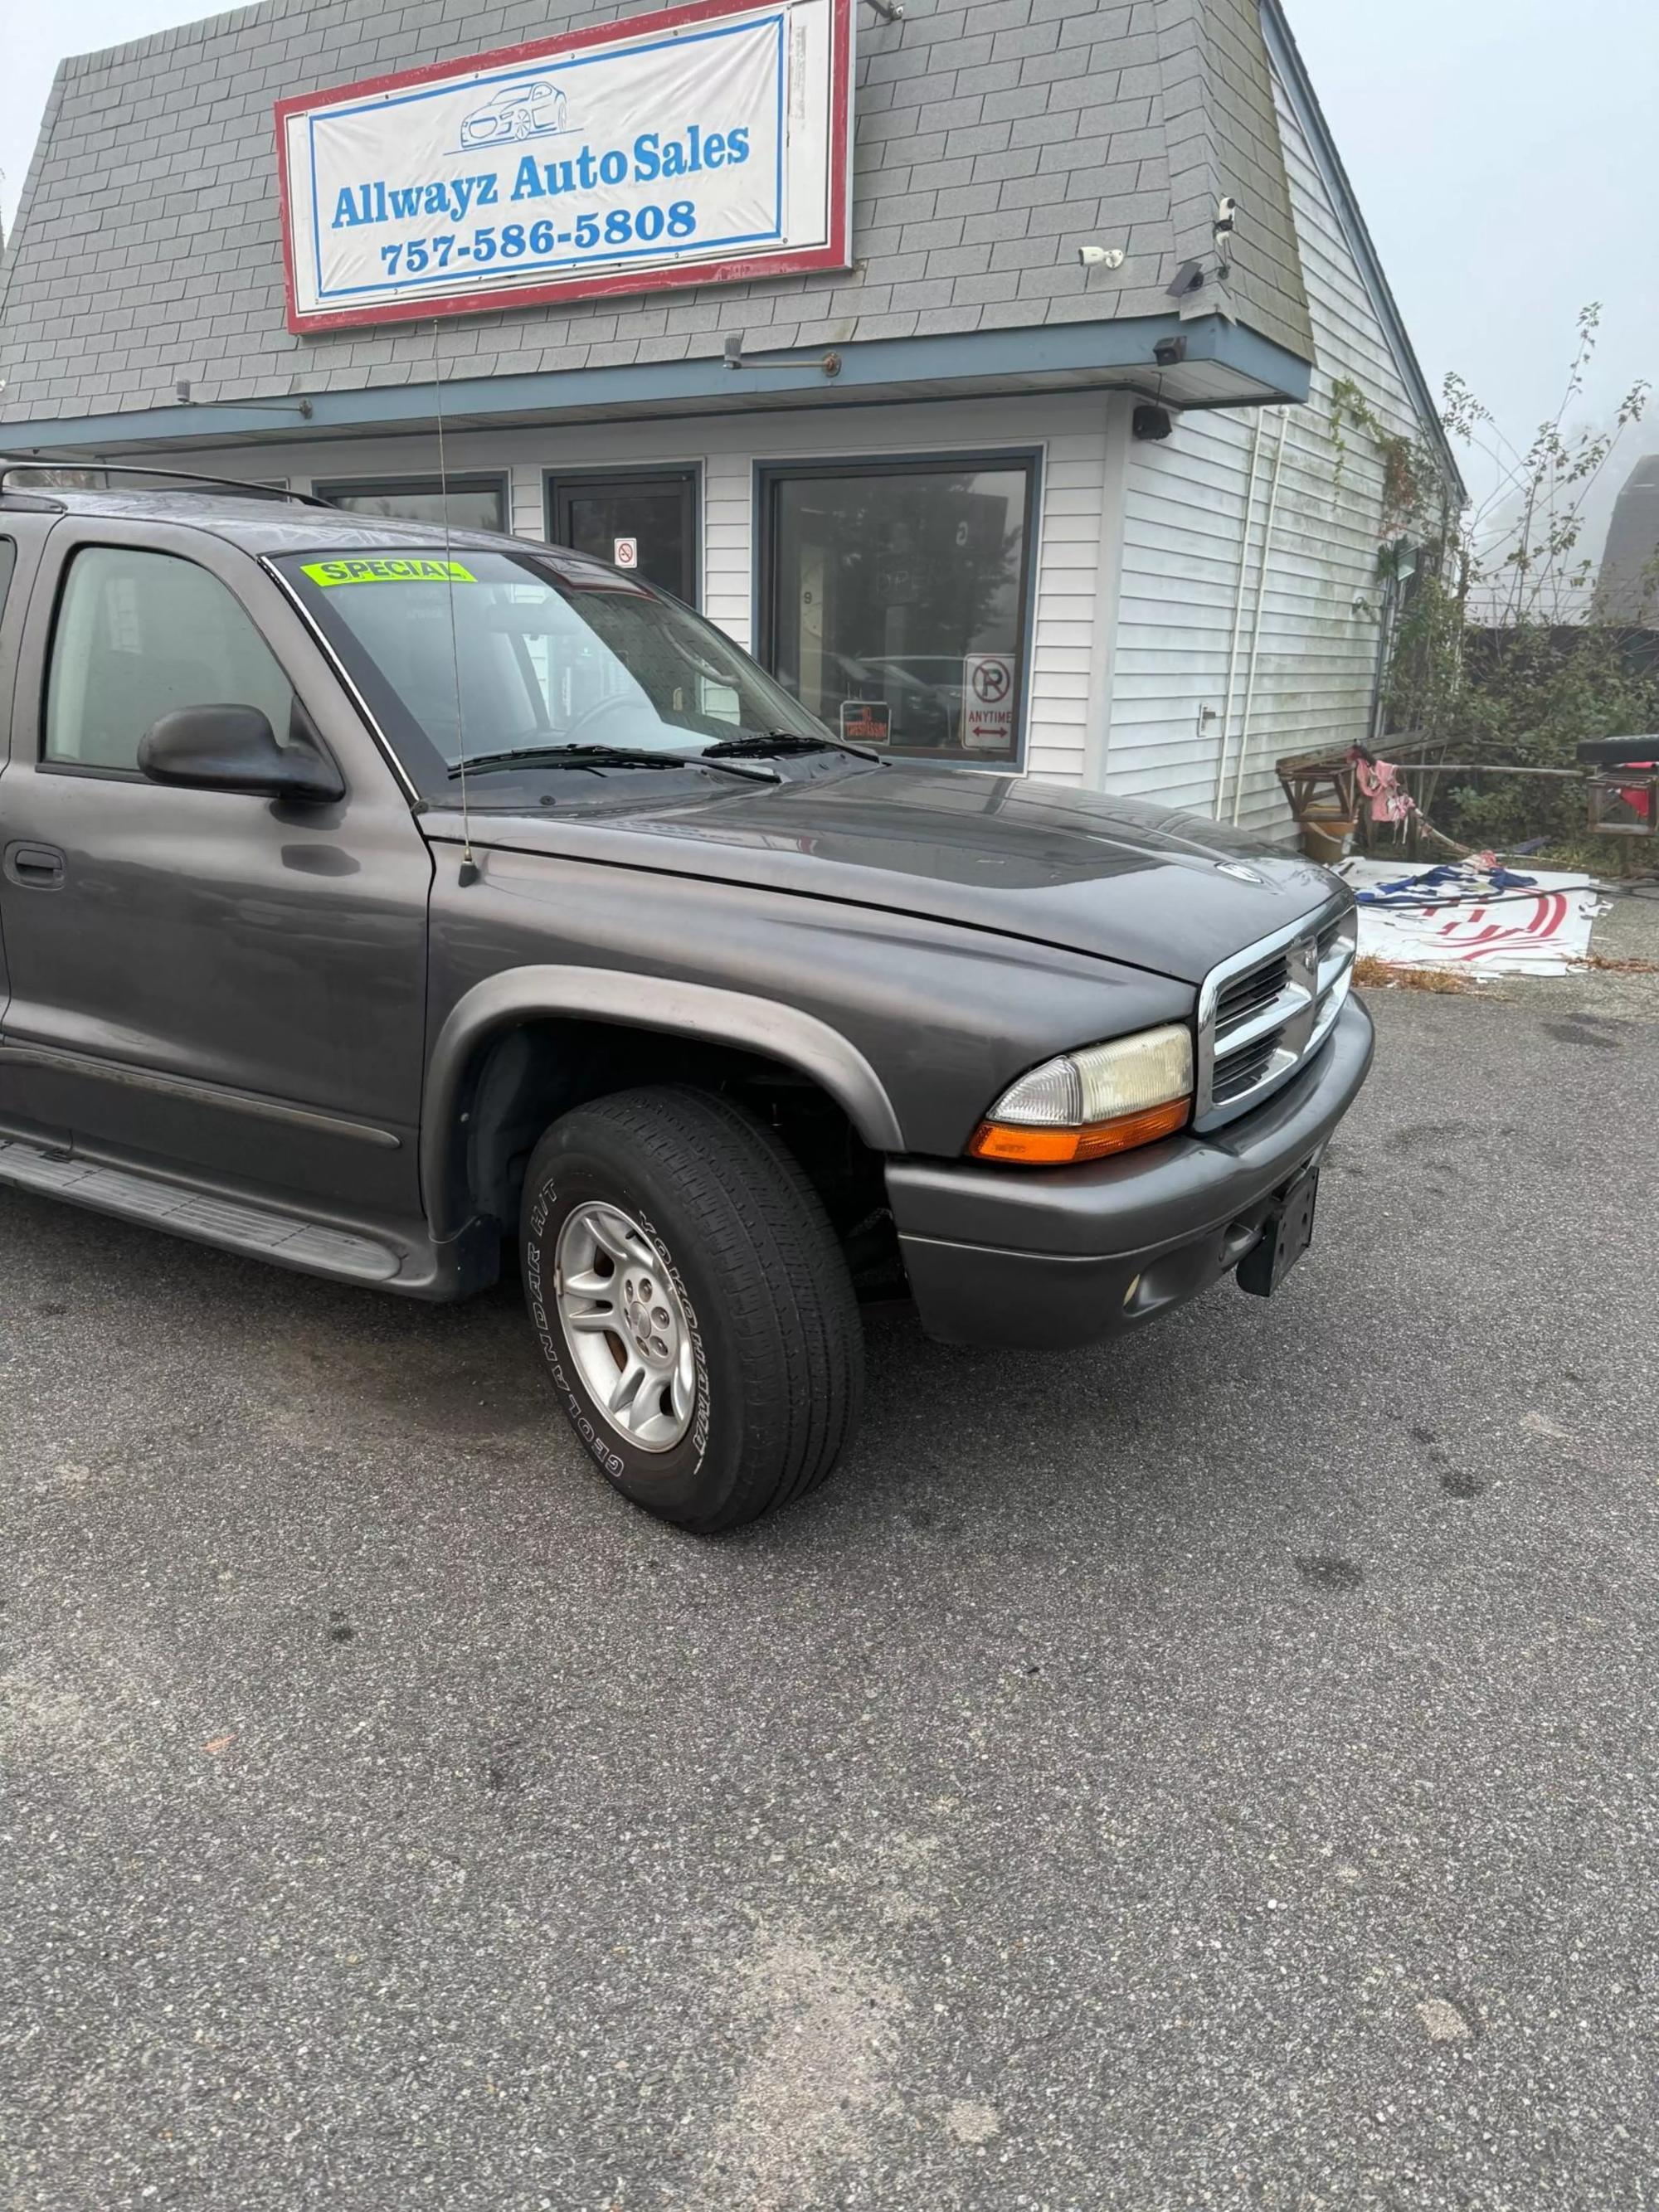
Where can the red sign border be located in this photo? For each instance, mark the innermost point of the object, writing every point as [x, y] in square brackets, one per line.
[834, 254]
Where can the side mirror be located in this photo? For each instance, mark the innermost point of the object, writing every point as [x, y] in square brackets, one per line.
[234, 749]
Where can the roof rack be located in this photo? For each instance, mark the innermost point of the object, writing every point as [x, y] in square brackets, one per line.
[171, 479]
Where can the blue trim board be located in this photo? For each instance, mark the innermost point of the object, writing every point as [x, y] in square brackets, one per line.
[1287, 61]
[880, 369]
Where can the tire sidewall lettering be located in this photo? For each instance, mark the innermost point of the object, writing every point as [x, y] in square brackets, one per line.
[700, 1415]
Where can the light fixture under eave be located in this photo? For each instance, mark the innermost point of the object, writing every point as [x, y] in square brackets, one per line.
[181, 394]
[829, 364]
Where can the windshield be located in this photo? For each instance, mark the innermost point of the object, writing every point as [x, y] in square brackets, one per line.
[547, 650]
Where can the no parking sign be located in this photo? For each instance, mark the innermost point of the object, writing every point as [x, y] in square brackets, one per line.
[988, 702]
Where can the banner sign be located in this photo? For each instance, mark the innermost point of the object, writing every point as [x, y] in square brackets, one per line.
[703, 145]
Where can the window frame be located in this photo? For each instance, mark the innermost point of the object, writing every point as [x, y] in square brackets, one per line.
[496, 480]
[688, 475]
[769, 474]
[42, 763]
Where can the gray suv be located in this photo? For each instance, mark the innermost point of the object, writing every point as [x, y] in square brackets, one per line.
[392, 904]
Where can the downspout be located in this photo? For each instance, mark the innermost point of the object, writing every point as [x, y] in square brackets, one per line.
[1256, 622]
[1387, 616]
[1238, 617]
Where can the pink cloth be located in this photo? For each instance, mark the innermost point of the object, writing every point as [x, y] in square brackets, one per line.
[1379, 781]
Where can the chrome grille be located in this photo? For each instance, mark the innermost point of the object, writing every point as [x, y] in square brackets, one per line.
[1245, 995]
[1238, 1077]
[1262, 1014]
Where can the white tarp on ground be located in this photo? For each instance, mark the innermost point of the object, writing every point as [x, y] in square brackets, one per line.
[1542, 932]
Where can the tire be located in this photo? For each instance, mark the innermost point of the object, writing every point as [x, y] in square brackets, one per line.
[765, 1348]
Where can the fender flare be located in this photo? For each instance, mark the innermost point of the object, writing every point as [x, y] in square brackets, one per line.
[766, 1026]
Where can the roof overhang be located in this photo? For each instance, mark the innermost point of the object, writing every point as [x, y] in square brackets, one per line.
[1221, 364]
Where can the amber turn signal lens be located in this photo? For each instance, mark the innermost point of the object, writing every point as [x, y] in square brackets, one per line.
[1061, 1148]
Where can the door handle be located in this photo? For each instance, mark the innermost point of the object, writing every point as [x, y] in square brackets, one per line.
[36, 867]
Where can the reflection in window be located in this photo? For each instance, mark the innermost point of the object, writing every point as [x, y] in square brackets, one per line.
[903, 588]
[470, 502]
[139, 635]
[519, 653]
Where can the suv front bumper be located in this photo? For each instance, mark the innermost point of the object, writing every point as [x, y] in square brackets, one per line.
[1053, 1257]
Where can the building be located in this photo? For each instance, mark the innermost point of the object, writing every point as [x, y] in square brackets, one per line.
[1627, 585]
[1037, 461]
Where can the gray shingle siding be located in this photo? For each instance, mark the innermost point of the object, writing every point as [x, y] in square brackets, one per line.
[993, 138]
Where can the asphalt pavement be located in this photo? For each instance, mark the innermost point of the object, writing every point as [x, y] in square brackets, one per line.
[1216, 1771]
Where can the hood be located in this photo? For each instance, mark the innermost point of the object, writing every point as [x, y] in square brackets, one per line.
[1167, 892]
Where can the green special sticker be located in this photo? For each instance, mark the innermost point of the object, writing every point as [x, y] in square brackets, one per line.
[407, 571]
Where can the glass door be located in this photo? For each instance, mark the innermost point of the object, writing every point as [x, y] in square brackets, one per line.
[645, 522]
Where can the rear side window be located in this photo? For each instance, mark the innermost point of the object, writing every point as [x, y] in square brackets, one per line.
[139, 633]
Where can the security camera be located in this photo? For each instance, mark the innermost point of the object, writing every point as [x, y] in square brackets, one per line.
[1101, 257]
[1226, 211]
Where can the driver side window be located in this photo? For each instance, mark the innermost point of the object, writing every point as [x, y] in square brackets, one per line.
[139, 633]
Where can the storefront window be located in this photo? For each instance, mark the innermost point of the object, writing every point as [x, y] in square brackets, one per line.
[469, 503]
[895, 606]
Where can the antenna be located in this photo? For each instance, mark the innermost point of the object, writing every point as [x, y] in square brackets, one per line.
[469, 868]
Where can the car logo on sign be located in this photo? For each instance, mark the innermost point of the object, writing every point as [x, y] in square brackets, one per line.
[1238, 869]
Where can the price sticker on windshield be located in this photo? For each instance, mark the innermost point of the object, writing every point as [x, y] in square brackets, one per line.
[410, 570]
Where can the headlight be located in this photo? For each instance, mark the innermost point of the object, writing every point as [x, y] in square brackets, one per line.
[1105, 1098]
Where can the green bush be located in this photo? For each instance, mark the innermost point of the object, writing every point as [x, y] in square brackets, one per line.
[1529, 696]
[1527, 690]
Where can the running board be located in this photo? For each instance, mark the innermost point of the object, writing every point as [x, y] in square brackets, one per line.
[233, 1225]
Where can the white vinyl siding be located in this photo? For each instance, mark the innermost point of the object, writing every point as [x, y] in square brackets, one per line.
[728, 495]
[1068, 432]
[1067, 567]
[1187, 545]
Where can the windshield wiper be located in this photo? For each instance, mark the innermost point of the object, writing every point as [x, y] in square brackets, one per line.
[597, 757]
[767, 742]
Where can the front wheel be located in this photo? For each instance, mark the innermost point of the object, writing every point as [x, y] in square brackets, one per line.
[693, 1306]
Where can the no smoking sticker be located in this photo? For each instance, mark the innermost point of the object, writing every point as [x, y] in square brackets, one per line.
[625, 552]
[988, 702]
